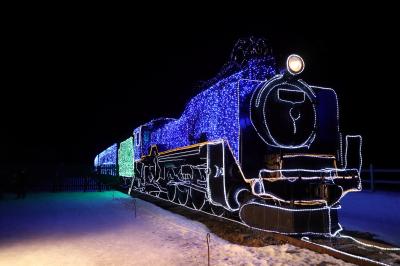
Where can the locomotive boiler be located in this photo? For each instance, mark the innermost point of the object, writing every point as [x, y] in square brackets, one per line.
[257, 144]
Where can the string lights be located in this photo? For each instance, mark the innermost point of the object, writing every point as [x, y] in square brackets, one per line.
[126, 158]
[201, 151]
[107, 160]
[210, 115]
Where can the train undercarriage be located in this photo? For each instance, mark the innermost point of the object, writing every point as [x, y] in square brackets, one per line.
[206, 177]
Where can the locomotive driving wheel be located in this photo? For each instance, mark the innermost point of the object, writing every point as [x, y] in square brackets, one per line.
[197, 198]
[182, 195]
[217, 210]
[171, 192]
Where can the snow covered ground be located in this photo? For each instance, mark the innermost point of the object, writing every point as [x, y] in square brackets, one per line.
[92, 228]
[376, 212]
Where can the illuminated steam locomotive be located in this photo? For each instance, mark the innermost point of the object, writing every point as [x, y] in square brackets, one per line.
[258, 145]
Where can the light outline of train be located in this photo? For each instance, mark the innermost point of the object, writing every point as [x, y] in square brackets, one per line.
[256, 184]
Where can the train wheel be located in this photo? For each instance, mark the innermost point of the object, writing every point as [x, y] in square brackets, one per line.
[171, 192]
[217, 210]
[164, 195]
[198, 199]
[183, 195]
[157, 194]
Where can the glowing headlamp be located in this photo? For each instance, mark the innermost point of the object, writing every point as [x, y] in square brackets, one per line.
[295, 64]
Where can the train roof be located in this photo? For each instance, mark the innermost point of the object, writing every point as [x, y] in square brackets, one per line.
[156, 123]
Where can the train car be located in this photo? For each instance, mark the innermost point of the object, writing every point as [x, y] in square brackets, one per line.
[258, 143]
[105, 162]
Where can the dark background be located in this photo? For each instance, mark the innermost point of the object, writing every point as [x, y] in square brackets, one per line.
[76, 82]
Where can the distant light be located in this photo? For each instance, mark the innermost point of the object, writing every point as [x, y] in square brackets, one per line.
[295, 64]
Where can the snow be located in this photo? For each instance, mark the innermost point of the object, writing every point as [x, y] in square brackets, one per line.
[375, 212]
[93, 228]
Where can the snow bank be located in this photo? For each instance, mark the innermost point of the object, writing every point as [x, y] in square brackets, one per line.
[92, 228]
[375, 212]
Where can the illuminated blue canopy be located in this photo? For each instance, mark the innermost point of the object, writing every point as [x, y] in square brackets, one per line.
[211, 115]
[107, 157]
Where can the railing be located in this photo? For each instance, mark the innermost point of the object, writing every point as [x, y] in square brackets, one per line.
[372, 181]
[71, 184]
[107, 170]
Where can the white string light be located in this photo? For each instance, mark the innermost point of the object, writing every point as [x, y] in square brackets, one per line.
[213, 116]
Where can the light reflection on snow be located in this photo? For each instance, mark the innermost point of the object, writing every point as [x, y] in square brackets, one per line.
[93, 229]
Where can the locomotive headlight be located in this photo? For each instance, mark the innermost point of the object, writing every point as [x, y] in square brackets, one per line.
[295, 64]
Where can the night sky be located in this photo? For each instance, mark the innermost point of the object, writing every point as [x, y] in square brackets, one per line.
[75, 84]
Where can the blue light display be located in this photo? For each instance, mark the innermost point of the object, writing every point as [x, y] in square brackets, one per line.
[108, 156]
[211, 115]
[248, 131]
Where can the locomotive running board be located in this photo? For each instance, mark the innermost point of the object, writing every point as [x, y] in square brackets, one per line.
[289, 220]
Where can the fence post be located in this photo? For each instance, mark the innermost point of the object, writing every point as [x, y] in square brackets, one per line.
[208, 247]
[371, 174]
[134, 203]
